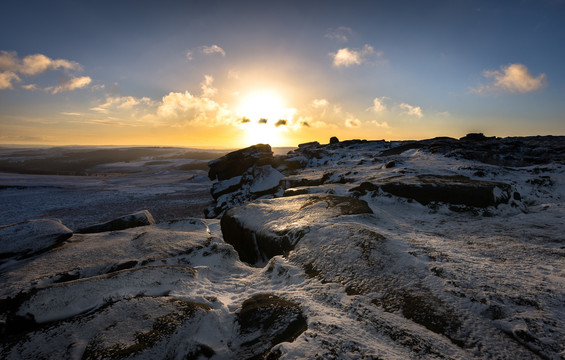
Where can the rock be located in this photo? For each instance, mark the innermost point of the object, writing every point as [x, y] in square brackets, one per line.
[265, 180]
[457, 190]
[257, 239]
[31, 237]
[225, 187]
[390, 164]
[237, 162]
[475, 137]
[140, 218]
[266, 320]
[334, 140]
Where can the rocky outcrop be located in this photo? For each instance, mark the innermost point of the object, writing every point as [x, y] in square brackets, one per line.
[28, 238]
[237, 162]
[140, 218]
[266, 320]
[257, 239]
[449, 189]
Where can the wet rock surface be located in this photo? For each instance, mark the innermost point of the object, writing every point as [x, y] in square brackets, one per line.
[140, 218]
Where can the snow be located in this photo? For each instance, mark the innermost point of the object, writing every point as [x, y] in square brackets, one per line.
[498, 273]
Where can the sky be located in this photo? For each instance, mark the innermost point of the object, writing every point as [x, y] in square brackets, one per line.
[229, 74]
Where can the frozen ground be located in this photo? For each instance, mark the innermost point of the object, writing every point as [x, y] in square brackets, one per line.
[386, 279]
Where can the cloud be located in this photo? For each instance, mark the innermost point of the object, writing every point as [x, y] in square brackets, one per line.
[262, 121]
[378, 104]
[244, 120]
[206, 86]
[352, 122]
[34, 64]
[178, 108]
[12, 67]
[348, 57]
[120, 102]
[206, 50]
[281, 122]
[7, 78]
[383, 124]
[513, 78]
[339, 34]
[71, 114]
[411, 110]
[318, 103]
[69, 84]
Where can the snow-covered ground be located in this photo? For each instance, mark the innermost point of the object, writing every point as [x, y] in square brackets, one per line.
[391, 279]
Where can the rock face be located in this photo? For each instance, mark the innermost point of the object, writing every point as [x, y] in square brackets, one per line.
[31, 237]
[140, 218]
[266, 320]
[237, 162]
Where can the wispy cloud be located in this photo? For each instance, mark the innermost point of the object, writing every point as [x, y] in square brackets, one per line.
[7, 78]
[206, 50]
[378, 104]
[513, 78]
[352, 122]
[342, 34]
[120, 103]
[207, 89]
[12, 68]
[347, 57]
[281, 122]
[411, 110]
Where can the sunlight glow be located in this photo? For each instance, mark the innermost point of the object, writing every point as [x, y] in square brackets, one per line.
[261, 113]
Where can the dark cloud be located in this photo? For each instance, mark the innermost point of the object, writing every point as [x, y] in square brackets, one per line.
[280, 123]
[305, 123]
[262, 121]
[244, 120]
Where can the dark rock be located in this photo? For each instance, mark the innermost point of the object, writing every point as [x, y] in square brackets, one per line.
[266, 320]
[475, 137]
[458, 190]
[364, 188]
[237, 162]
[309, 144]
[334, 140]
[31, 237]
[390, 164]
[140, 218]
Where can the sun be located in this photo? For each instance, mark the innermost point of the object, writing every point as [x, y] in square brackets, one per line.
[264, 117]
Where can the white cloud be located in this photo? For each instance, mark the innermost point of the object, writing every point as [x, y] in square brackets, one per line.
[13, 67]
[378, 104]
[318, 103]
[383, 124]
[514, 78]
[411, 110]
[182, 108]
[7, 78]
[206, 50]
[348, 57]
[206, 86]
[213, 49]
[69, 84]
[121, 102]
[340, 34]
[352, 122]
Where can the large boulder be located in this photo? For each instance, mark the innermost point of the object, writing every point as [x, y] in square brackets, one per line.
[31, 237]
[257, 233]
[457, 190]
[237, 162]
[140, 218]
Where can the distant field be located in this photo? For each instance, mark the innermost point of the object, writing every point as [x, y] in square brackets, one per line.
[73, 161]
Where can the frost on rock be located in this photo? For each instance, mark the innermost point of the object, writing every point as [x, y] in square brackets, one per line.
[28, 238]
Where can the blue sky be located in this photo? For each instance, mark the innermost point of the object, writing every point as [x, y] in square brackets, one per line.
[203, 73]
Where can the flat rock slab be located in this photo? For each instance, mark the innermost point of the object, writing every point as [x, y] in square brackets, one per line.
[140, 218]
[457, 190]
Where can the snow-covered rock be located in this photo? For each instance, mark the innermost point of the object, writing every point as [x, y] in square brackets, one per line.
[28, 238]
[140, 218]
[237, 162]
